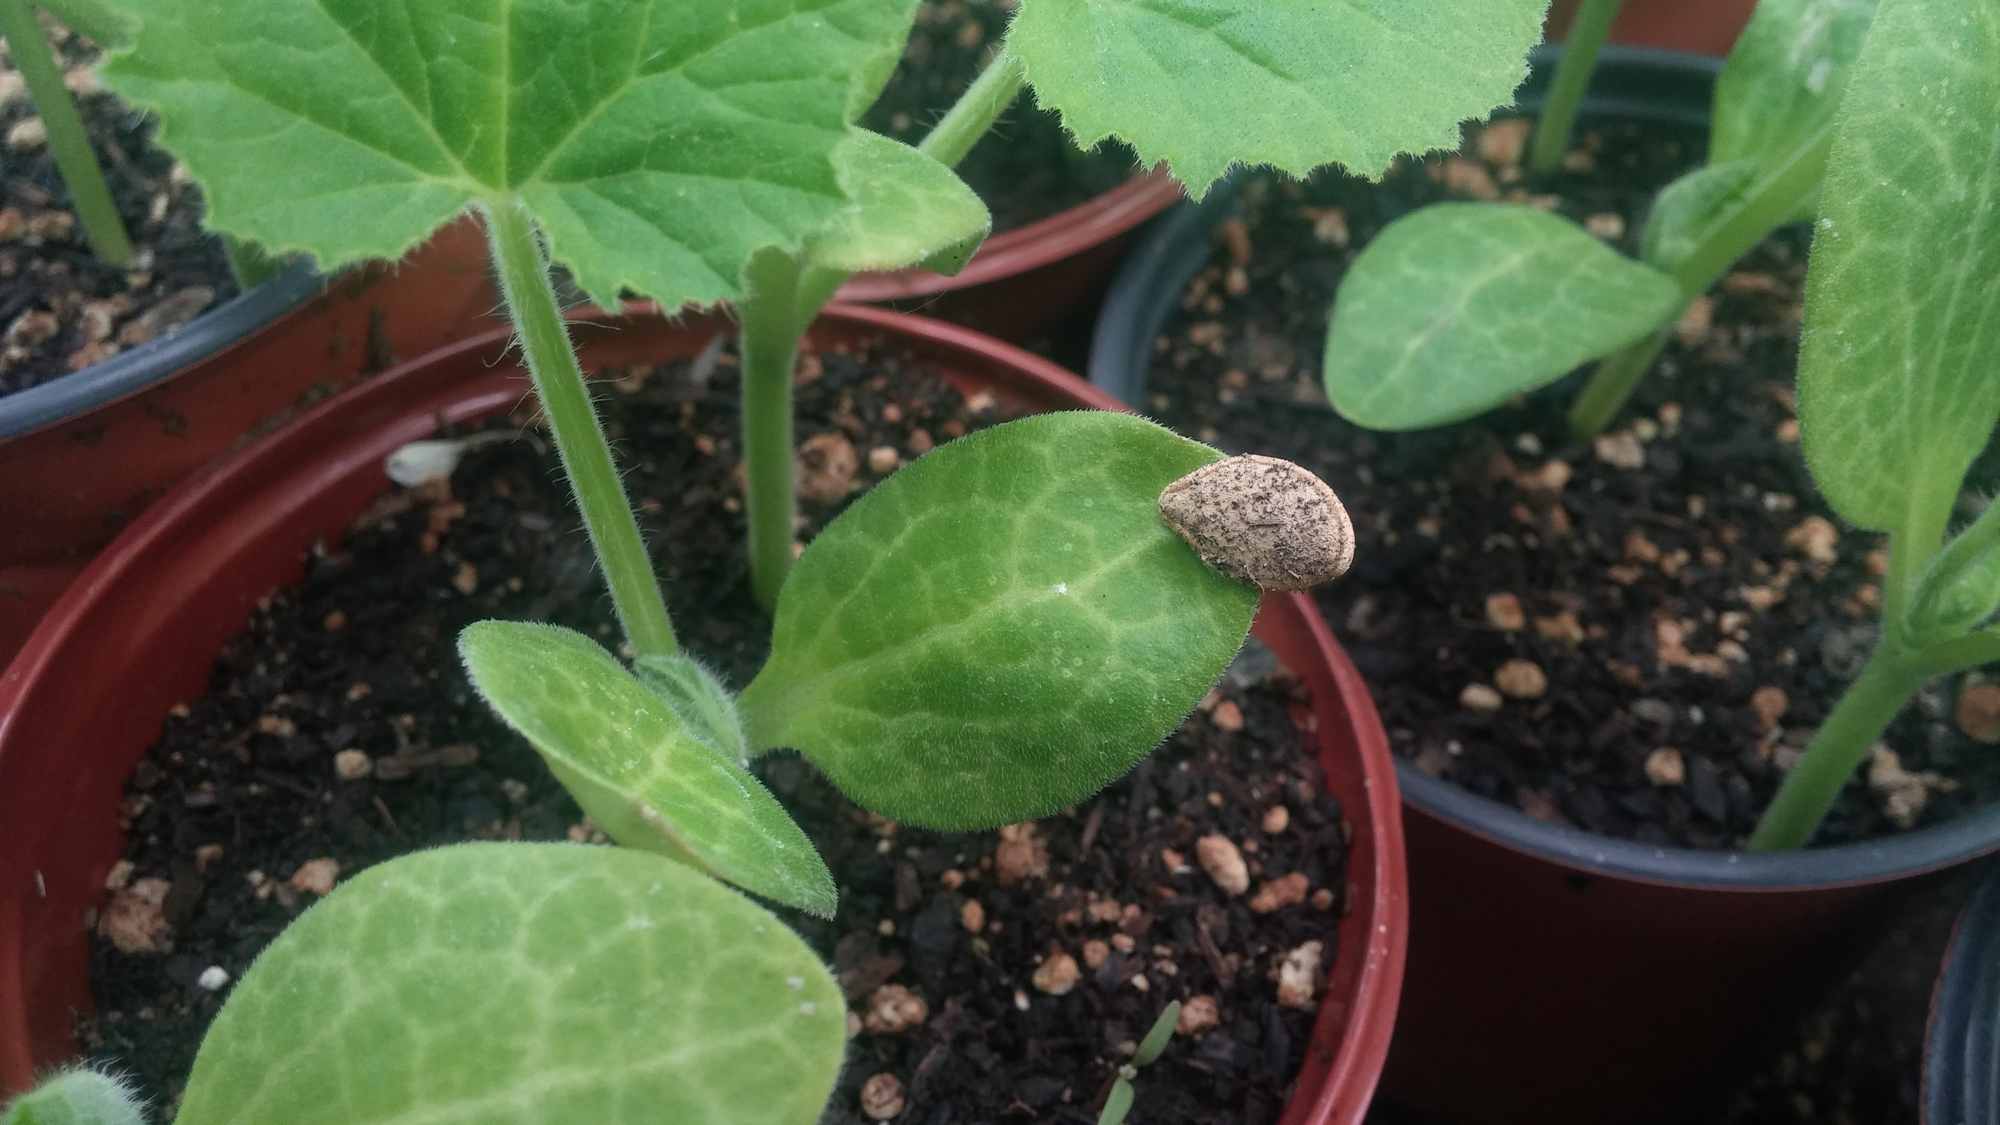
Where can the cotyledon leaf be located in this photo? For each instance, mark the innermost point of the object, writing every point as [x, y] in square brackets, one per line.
[659, 143]
[1899, 384]
[642, 772]
[1456, 307]
[909, 210]
[1002, 628]
[526, 984]
[75, 1097]
[1204, 84]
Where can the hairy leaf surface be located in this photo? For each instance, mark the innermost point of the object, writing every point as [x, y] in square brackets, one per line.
[526, 984]
[1001, 628]
[1899, 369]
[1456, 307]
[1204, 84]
[659, 143]
[648, 777]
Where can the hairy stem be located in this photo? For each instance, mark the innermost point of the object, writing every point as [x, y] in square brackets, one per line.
[1613, 382]
[586, 455]
[1888, 681]
[976, 110]
[68, 140]
[785, 296]
[1579, 57]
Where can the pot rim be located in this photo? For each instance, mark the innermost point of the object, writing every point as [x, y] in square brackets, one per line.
[1629, 82]
[1063, 235]
[130, 372]
[1961, 1061]
[1363, 1018]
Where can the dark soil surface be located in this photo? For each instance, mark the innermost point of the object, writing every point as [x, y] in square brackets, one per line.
[1636, 636]
[61, 307]
[1027, 168]
[242, 804]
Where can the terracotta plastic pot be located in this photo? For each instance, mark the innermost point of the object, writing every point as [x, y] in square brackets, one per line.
[144, 622]
[1703, 27]
[83, 454]
[1040, 281]
[1962, 1047]
[1556, 975]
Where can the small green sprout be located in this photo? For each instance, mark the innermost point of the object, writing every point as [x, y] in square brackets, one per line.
[1456, 308]
[997, 631]
[1118, 1103]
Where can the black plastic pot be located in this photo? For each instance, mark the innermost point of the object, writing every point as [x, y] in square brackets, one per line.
[1962, 1047]
[1556, 975]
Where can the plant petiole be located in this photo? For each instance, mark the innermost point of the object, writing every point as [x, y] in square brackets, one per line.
[69, 141]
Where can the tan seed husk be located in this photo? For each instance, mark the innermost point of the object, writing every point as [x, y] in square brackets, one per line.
[1263, 521]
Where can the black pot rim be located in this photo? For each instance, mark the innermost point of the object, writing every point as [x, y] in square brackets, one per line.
[156, 361]
[1653, 85]
[1961, 1083]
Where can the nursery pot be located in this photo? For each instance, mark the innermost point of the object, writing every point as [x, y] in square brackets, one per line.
[1962, 1048]
[1037, 282]
[146, 619]
[1555, 974]
[1704, 27]
[83, 454]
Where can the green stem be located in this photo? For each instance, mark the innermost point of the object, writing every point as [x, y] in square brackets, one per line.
[586, 455]
[1837, 749]
[976, 110]
[787, 297]
[68, 140]
[1617, 375]
[1770, 203]
[1587, 33]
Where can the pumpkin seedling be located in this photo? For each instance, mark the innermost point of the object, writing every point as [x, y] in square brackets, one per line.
[995, 632]
[1118, 1103]
[1458, 307]
[1897, 387]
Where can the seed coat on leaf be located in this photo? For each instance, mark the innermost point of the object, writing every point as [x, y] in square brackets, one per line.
[1262, 520]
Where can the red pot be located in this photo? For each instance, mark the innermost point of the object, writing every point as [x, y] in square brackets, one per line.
[1560, 976]
[72, 472]
[1702, 27]
[1033, 282]
[144, 622]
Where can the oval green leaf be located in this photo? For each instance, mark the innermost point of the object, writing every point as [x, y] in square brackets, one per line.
[75, 1097]
[1688, 211]
[659, 143]
[1897, 371]
[1002, 628]
[642, 772]
[1205, 84]
[1457, 307]
[526, 984]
